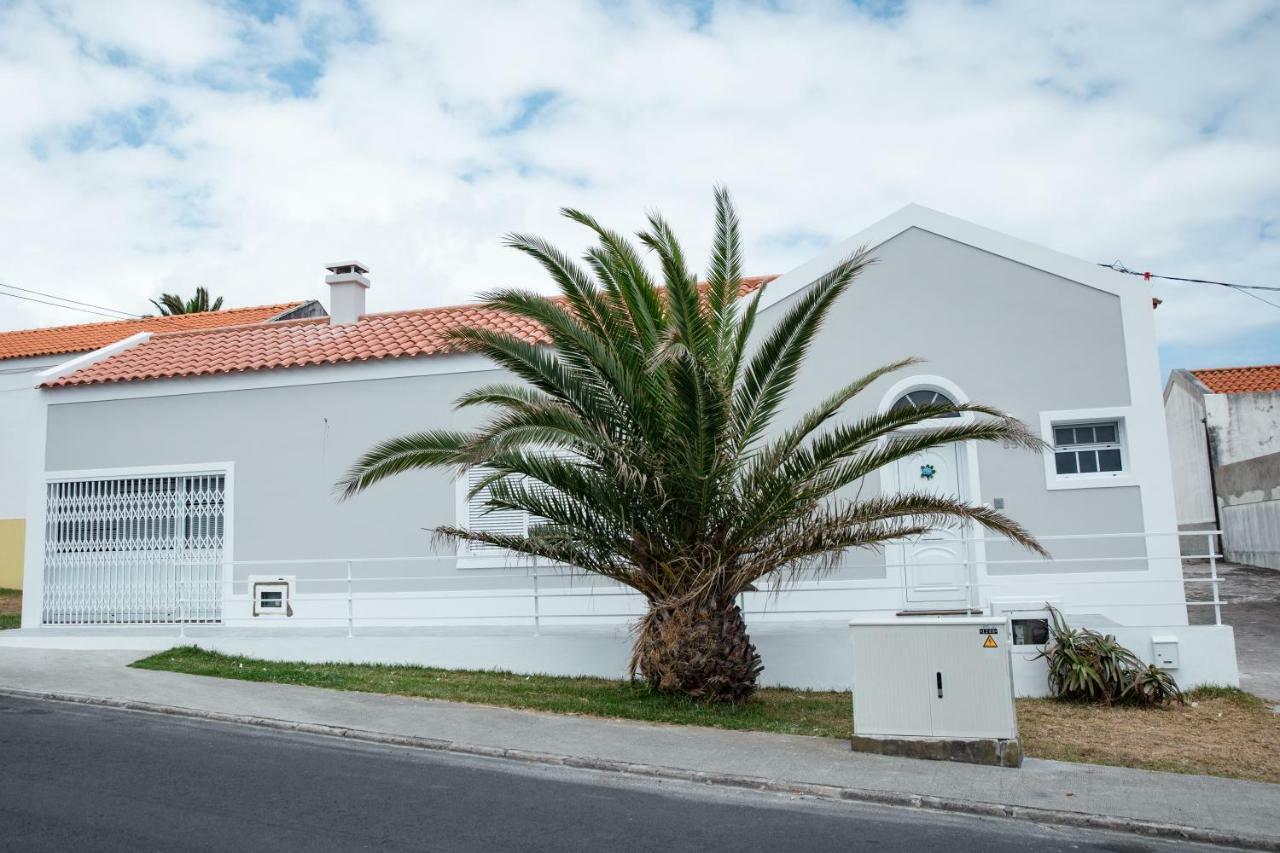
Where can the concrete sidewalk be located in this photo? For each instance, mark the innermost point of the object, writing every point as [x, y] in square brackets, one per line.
[1196, 807]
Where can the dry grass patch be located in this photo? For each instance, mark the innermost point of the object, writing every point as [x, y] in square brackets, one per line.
[1219, 732]
[1226, 733]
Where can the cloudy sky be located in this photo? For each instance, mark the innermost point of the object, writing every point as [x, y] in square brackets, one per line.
[155, 146]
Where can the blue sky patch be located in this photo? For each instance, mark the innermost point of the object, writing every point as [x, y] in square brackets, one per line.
[265, 11]
[1261, 346]
[299, 76]
[800, 239]
[131, 128]
[529, 108]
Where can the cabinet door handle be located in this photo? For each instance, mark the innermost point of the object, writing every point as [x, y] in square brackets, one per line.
[939, 685]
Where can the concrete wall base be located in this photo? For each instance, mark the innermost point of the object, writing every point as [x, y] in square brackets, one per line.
[997, 752]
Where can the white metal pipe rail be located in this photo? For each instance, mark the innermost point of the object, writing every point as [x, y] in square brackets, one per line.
[581, 586]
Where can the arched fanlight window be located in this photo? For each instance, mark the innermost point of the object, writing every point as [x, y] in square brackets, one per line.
[925, 397]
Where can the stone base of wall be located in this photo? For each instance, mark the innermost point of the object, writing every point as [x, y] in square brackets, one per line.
[994, 751]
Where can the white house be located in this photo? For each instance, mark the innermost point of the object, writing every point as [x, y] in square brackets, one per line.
[1224, 437]
[26, 352]
[183, 483]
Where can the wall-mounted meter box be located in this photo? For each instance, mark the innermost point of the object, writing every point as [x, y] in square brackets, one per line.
[1164, 649]
[933, 677]
[271, 596]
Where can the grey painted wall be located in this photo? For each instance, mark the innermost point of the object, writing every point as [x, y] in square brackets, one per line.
[289, 445]
[1009, 335]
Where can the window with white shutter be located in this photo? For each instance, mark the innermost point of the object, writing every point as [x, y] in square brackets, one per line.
[474, 514]
[513, 522]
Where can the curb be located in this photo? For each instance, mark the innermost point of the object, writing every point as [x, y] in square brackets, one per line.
[828, 792]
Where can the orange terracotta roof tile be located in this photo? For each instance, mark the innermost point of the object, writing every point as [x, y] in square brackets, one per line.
[299, 343]
[1241, 380]
[85, 337]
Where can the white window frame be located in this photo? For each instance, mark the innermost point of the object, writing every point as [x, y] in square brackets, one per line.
[1096, 480]
[927, 382]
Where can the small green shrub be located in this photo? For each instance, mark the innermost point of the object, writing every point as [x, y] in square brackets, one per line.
[1086, 666]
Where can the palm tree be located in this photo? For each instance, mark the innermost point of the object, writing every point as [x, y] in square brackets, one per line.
[171, 303]
[643, 440]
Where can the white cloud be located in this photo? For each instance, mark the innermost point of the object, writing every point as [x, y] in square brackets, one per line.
[173, 35]
[160, 147]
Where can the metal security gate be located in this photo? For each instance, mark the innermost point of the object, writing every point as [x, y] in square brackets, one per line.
[134, 549]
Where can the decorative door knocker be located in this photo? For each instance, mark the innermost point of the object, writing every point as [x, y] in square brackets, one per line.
[927, 471]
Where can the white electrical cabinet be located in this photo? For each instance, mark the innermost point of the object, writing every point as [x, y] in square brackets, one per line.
[944, 677]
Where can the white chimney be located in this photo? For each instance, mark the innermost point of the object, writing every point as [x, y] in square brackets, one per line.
[347, 282]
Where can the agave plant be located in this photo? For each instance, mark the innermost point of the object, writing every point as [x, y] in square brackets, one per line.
[1151, 685]
[1088, 666]
[171, 303]
[645, 443]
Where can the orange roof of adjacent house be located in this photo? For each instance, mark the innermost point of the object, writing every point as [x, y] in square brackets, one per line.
[1241, 380]
[85, 337]
[299, 343]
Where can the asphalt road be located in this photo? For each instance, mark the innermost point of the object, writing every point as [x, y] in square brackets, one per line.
[81, 778]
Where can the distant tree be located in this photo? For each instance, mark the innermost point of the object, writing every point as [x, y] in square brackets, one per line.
[172, 303]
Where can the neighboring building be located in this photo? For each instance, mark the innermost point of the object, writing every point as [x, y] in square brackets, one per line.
[25, 353]
[188, 478]
[1224, 437]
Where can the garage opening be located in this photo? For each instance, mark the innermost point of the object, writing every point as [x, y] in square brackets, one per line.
[134, 549]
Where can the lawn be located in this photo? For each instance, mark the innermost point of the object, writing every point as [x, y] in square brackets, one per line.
[1219, 732]
[10, 608]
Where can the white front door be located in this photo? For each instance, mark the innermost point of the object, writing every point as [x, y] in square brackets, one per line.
[935, 565]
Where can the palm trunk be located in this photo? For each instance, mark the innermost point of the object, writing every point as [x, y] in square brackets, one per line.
[700, 650]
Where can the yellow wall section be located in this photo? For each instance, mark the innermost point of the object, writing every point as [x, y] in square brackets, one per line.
[12, 532]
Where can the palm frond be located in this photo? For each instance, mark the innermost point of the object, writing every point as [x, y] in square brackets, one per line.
[644, 443]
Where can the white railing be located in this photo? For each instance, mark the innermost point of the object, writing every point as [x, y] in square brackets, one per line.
[337, 592]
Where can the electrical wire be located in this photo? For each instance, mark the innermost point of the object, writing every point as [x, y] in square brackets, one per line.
[69, 308]
[1118, 266]
[1260, 299]
[73, 301]
[1246, 289]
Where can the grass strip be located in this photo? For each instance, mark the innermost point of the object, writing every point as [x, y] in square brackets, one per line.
[1221, 731]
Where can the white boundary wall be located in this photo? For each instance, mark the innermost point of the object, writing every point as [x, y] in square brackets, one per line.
[813, 655]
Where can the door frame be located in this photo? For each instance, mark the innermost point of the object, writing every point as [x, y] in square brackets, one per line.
[975, 552]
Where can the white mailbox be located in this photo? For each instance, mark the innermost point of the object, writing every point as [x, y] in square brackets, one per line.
[933, 677]
[1165, 651]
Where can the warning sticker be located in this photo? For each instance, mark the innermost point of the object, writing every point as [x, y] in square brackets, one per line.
[989, 643]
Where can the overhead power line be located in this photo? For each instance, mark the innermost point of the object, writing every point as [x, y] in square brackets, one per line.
[1120, 267]
[59, 305]
[1246, 289]
[115, 313]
